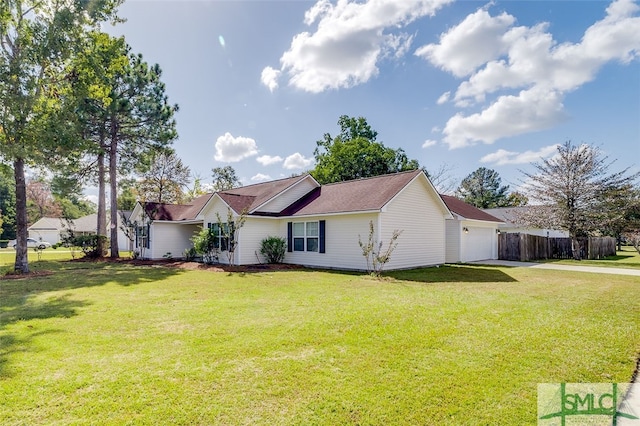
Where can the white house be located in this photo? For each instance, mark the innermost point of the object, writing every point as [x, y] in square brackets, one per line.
[509, 216]
[472, 234]
[322, 223]
[47, 229]
[53, 229]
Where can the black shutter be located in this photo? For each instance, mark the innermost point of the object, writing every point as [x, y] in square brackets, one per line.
[322, 228]
[289, 237]
[148, 236]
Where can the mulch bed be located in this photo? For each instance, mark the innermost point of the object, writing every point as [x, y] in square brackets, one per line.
[31, 274]
[168, 263]
[173, 263]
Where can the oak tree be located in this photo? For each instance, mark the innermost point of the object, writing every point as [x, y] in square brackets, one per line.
[355, 153]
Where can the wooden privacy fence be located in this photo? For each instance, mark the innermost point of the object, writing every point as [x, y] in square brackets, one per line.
[524, 247]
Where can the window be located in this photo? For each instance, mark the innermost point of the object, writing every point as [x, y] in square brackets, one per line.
[305, 236]
[221, 242]
[142, 236]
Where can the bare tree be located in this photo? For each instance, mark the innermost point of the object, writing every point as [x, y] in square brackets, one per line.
[165, 179]
[443, 179]
[571, 189]
[40, 201]
[373, 251]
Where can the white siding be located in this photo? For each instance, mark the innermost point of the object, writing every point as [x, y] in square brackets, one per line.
[250, 236]
[341, 242]
[290, 196]
[169, 237]
[417, 212]
[51, 236]
[453, 241]
[479, 243]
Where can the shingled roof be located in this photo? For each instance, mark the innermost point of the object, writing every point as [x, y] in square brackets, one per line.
[467, 211]
[176, 212]
[368, 194]
[251, 197]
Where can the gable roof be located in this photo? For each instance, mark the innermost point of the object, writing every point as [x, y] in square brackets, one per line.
[368, 194]
[360, 195]
[176, 212]
[87, 223]
[251, 197]
[48, 223]
[467, 211]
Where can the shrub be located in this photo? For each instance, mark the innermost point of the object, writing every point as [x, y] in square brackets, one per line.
[273, 249]
[204, 243]
[89, 245]
[190, 254]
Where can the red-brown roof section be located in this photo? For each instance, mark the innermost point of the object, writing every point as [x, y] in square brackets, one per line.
[253, 196]
[367, 194]
[467, 211]
[175, 212]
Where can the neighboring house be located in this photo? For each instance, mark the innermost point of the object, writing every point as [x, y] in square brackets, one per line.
[472, 234]
[321, 223]
[46, 229]
[54, 229]
[509, 214]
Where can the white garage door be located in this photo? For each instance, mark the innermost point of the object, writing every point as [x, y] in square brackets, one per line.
[479, 244]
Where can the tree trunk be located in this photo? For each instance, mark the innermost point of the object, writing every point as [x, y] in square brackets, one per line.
[575, 248]
[102, 205]
[22, 263]
[113, 164]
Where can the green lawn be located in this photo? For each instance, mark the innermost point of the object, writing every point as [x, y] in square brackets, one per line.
[627, 258]
[99, 343]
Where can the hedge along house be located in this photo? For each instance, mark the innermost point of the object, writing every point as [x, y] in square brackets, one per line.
[472, 234]
[321, 223]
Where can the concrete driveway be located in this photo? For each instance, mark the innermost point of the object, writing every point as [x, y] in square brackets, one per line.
[576, 268]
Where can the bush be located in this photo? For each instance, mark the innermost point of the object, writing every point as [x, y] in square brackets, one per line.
[190, 254]
[204, 243]
[89, 245]
[273, 249]
[4, 243]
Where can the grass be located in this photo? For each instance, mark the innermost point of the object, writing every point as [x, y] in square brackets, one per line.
[627, 258]
[99, 343]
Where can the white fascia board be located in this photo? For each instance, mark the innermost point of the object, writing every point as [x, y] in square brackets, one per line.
[432, 189]
[315, 182]
[483, 222]
[330, 214]
[200, 217]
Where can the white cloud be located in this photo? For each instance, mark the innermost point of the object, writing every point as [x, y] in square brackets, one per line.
[470, 44]
[444, 98]
[267, 160]
[260, 178]
[531, 71]
[502, 156]
[231, 149]
[428, 143]
[529, 111]
[269, 78]
[349, 40]
[297, 161]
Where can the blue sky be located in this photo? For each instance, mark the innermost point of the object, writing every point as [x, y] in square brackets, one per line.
[459, 85]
